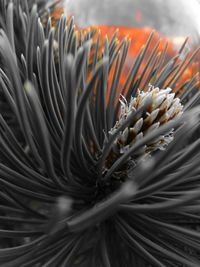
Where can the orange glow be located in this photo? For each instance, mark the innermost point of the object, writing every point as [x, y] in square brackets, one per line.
[138, 38]
[56, 14]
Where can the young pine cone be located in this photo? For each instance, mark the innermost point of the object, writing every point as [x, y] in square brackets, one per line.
[162, 107]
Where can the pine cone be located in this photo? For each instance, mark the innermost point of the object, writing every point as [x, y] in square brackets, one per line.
[162, 107]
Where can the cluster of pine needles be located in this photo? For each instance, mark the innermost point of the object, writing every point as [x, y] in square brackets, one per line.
[93, 171]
